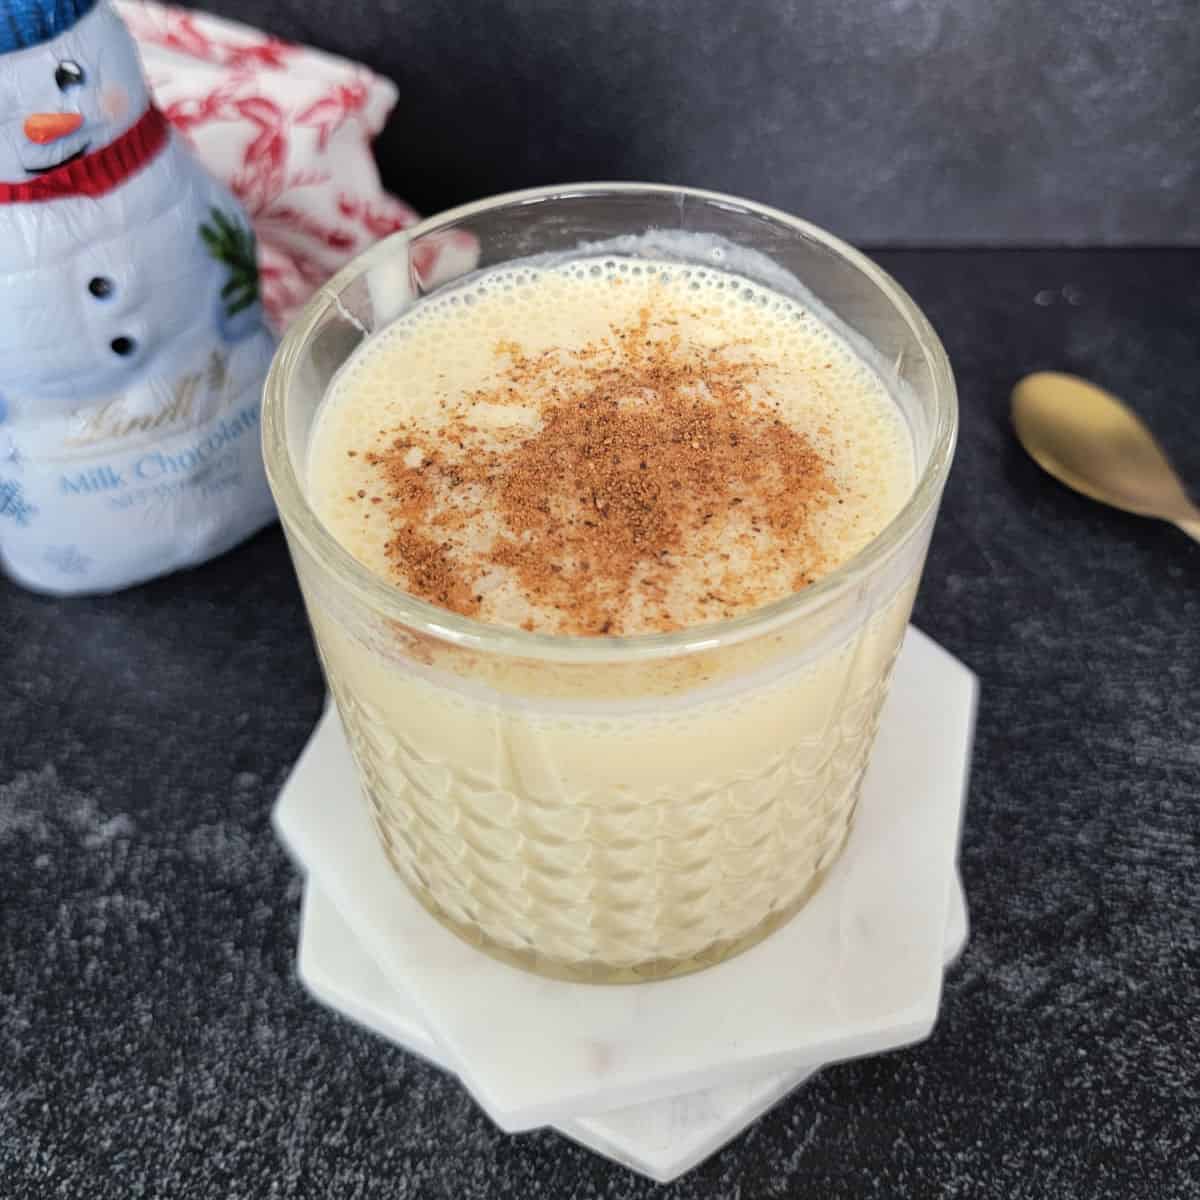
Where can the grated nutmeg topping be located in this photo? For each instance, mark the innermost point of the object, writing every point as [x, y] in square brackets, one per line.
[645, 453]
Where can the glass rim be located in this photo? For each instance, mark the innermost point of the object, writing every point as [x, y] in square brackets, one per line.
[421, 617]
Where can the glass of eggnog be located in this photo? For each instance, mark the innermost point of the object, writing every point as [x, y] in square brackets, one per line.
[608, 503]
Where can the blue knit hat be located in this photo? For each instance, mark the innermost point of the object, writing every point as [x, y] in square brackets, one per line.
[30, 22]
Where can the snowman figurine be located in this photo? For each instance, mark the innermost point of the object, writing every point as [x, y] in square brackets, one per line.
[132, 343]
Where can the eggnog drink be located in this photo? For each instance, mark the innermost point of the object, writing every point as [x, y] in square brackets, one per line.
[600, 448]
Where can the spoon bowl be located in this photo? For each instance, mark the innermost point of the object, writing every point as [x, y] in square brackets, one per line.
[1088, 439]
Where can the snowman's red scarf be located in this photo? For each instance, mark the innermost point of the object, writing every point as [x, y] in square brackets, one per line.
[97, 172]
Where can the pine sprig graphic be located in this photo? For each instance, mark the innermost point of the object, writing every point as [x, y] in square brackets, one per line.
[232, 244]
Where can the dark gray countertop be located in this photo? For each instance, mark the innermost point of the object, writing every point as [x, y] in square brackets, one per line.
[154, 1041]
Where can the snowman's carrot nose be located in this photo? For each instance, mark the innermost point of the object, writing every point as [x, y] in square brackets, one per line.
[49, 127]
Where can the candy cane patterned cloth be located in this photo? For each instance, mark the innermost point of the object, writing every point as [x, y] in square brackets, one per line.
[288, 129]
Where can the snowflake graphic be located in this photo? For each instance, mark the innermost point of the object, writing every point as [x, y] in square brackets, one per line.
[68, 560]
[13, 503]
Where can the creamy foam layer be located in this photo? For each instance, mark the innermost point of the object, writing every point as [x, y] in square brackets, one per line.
[607, 446]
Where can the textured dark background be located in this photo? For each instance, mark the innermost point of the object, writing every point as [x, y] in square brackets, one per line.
[154, 1041]
[915, 122]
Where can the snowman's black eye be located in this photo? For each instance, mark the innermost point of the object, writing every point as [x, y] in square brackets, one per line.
[69, 75]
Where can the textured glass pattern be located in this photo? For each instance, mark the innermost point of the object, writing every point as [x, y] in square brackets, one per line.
[618, 882]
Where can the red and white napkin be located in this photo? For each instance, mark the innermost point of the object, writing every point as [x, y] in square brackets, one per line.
[288, 129]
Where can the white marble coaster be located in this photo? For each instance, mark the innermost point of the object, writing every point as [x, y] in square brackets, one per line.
[661, 1138]
[859, 970]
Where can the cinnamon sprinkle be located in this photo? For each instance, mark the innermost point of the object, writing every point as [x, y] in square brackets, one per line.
[649, 453]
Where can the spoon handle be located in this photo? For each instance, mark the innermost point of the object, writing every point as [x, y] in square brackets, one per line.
[1191, 528]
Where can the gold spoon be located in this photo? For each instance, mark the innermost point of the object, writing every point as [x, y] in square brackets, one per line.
[1086, 438]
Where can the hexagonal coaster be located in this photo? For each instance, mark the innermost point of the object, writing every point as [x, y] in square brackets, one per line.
[859, 970]
[661, 1138]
